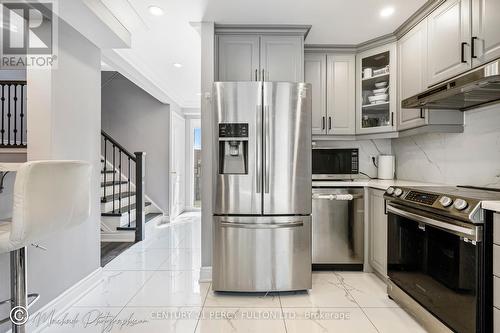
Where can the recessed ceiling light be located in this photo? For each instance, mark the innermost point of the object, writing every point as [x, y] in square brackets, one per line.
[156, 11]
[386, 12]
[177, 65]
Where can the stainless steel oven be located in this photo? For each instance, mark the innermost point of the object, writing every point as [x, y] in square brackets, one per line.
[329, 163]
[439, 254]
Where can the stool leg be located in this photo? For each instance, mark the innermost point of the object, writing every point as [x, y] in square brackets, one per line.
[19, 289]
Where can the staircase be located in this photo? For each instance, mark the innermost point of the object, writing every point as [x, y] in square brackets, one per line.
[120, 209]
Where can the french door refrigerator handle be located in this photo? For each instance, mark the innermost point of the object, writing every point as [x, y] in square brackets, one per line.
[261, 225]
[267, 148]
[258, 148]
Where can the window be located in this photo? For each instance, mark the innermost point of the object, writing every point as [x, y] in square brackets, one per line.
[196, 149]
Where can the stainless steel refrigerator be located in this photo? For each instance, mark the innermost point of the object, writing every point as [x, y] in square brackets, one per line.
[262, 179]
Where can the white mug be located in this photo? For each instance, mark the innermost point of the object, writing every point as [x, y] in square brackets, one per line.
[367, 73]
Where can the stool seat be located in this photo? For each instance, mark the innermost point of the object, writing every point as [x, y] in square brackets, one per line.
[49, 197]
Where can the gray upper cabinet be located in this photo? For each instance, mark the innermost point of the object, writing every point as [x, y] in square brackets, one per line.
[449, 37]
[282, 58]
[238, 58]
[315, 74]
[485, 30]
[249, 57]
[341, 95]
[333, 81]
[412, 69]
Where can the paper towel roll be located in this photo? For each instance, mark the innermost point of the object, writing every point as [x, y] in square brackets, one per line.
[386, 166]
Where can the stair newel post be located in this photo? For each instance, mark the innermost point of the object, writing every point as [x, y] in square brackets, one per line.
[128, 189]
[114, 177]
[119, 179]
[139, 196]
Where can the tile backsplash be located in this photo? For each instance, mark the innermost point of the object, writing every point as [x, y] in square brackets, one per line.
[469, 158]
[367, 149]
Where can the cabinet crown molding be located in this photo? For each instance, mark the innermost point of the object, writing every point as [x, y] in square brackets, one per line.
[262, 29]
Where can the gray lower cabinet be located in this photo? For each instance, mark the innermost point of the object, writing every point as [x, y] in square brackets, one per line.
[255, 57]
[449, 37]
[496, 320]
[377, 220]
[333, 81]
[485, 31]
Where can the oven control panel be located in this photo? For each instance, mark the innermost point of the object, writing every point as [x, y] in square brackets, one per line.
[422, 198]
[453, 202]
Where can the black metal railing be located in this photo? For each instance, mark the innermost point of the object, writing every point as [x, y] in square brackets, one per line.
[121, 169]
[13, 118]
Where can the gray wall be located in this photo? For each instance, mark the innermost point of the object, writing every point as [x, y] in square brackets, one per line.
[469, 158]
[64, 123]
[139, 122]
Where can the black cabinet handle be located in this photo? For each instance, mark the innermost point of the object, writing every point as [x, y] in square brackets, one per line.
[463, 52]
[263, 75]
[256, 75]
[329, 123]
[392, 119]
[422, 115]
[323, 123]
[473, 48]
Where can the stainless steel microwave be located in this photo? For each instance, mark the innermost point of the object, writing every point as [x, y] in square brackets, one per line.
[329, 163]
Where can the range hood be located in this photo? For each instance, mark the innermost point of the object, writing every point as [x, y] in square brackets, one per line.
[478, 87]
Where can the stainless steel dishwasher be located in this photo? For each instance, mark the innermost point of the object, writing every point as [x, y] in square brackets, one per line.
[338, 228]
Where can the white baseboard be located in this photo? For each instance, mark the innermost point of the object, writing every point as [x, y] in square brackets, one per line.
[206, 274]
[64, 301]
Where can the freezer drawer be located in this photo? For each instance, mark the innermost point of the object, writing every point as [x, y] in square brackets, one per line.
[338, 227]
[260, 254]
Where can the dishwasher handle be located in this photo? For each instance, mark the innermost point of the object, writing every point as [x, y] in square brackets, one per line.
[338, 197]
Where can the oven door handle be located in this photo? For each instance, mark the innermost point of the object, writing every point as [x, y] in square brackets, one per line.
[471, 233]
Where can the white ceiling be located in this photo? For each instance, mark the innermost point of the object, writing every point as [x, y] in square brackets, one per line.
[158, 42]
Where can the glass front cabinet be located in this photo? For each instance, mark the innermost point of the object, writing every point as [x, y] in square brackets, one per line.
[376, 90]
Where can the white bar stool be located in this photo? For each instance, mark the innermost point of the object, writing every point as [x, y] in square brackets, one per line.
[49, 196]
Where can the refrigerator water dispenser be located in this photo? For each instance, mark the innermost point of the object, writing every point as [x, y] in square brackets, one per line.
[233, 148]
